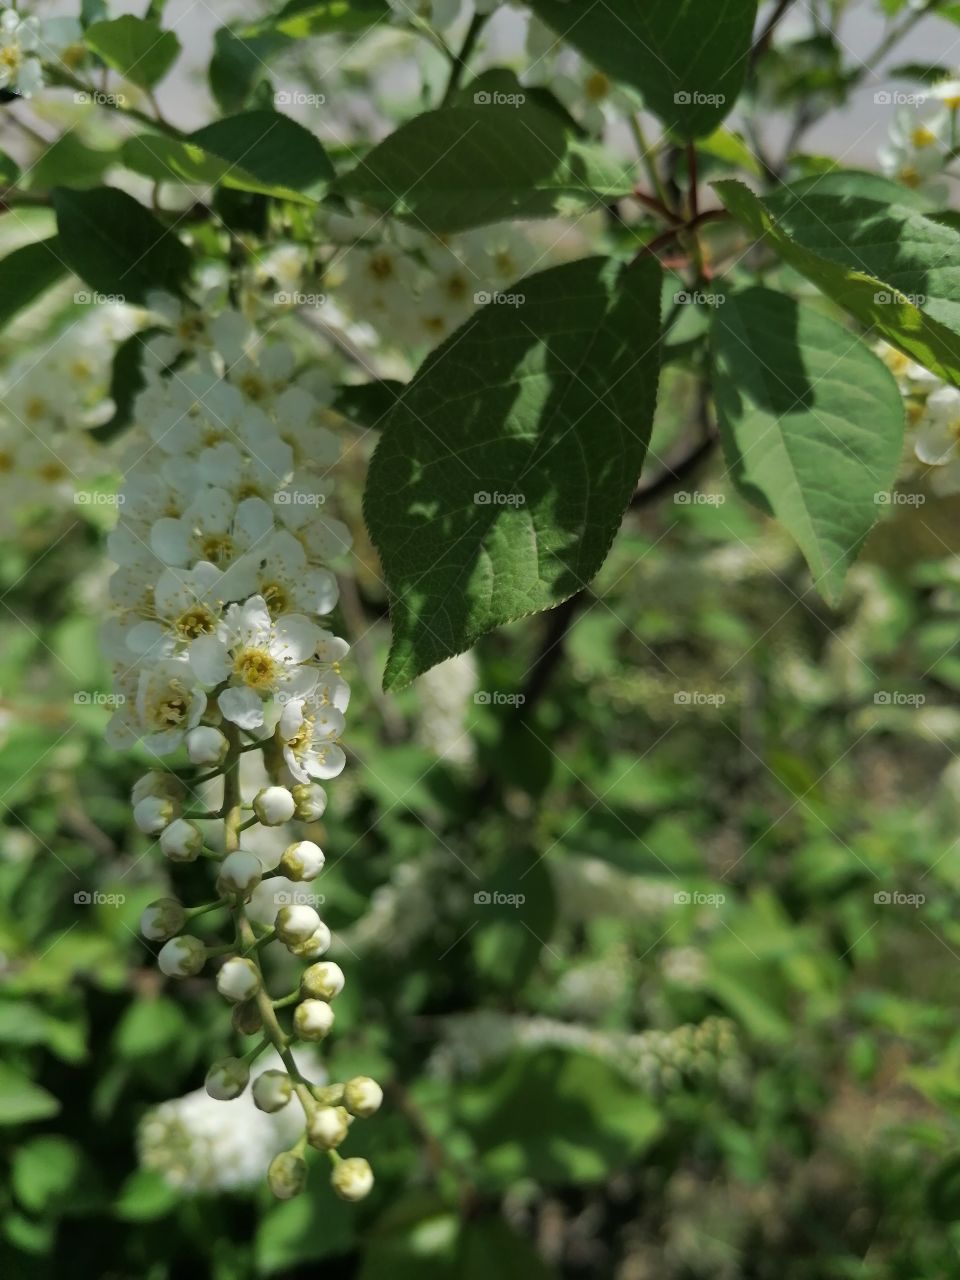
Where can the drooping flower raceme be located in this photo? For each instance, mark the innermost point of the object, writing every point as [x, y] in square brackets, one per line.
[219, 646]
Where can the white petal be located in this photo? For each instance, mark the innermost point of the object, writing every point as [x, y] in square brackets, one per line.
[241, 707]
[209, 660]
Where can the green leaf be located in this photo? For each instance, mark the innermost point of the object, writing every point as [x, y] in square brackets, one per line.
[875, 261]
[287, 1236]
[238, 64]
[461, 167]
[300, 18]
[9, 170]
[556, 1116]
[368, 403]
[114, 244]
[812, 424]
[126, 382]
[687, 58]
[272, 148]
[139, 50]
[144, 1197]
[45, 1169]
[22, 1101]
[28, 272]
[546, 408]
[69, 162]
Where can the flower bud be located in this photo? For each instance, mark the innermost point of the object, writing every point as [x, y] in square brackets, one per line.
[156, 783]
[302, 861]
[312, 1019]
[327, 1127]
[316, 945]
[272, 1091]
[153, 813]
[273, 806]
[227, 1079]
[207, 746]
[287, 1175]
[181, 841]
[240, 873]
[296, 923]
[352, 1179]
[238, 980]
[181, 957]
[311, 801]
[162, 919]
[362, 1096]
[246, 1018]
[323, 981]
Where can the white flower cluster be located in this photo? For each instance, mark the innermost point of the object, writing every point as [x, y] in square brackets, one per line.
[933, 416]
[414, 289]
[48, 404]
[446, 697]
[20, 68]
[222, 548]
[920, 147]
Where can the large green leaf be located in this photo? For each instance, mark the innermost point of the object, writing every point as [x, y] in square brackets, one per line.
[272, 148]
[300, 18]
[138, 49]
[555, 1116]
[117, 246]
[812, 424]
[688, 58]
[895, 270]
[505, 466]
[28, 272]
[464, 166]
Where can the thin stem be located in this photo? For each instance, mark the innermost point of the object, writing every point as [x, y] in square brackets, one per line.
[461, 58]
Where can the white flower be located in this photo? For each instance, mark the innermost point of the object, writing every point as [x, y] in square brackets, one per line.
[279, 571]
[214, 527]
[259, 656]
[152, 813]
[207, 746]
[186, 603]
[327, 1126]
[308, 733]
[20, 70]
[296, 923]
[938, 432]
[169, 703]
[917, 148]
[947, 92]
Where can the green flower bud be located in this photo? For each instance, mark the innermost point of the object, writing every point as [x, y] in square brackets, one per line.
[162, 919]
[313, 1020]
[238, 980]
[315, 946]
[327, 1127]
[302, 861]
[287, 1175]
[227, 1079]
[352, 1179]
[181, 841]
[182, 957]
[246, 1018]
[362, 1096]
[272, 1091]
[323, 981]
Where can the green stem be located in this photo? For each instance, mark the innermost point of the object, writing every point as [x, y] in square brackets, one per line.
[461, 58]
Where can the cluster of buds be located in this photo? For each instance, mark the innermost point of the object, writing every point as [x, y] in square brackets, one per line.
[223, 553]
